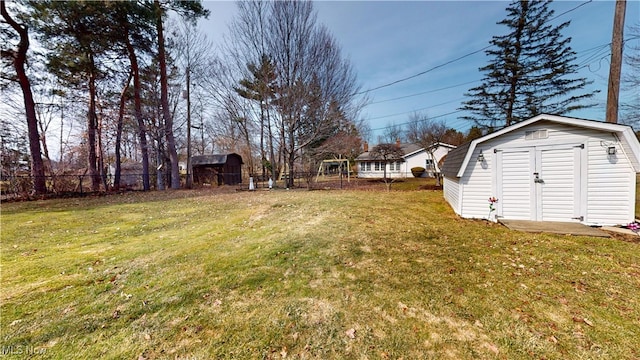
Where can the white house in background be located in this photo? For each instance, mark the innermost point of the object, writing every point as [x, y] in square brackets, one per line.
[547, 168]
[414, 156]
[437, 153]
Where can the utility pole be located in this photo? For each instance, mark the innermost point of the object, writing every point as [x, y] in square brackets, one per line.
[189, 175]
[613, 92]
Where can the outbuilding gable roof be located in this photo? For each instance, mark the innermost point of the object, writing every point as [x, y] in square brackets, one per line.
[459, 158]
[454, 160]
[214, 159]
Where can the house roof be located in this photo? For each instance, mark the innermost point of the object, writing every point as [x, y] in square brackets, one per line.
[214, 159]
[458, 159]
[408, 150]
[441, 144]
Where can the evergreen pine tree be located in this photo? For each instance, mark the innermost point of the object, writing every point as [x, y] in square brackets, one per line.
[530, 70]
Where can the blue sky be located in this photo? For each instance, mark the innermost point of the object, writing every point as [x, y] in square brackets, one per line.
[391, 40]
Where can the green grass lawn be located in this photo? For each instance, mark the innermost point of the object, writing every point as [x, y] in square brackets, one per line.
[305, 275]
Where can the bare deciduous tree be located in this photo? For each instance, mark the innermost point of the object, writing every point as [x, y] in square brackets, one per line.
[392, 133]
[192, 49]
[428, 133]
[387, 153]
[314, 85]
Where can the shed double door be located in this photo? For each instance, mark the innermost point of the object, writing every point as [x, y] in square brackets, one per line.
[540, 183]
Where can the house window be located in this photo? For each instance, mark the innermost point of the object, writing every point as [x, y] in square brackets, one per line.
[394, 166]
[365, 166]
[378, 165]
[429, 165]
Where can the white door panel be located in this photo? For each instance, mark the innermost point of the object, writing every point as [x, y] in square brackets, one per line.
[557, 190]
[515, 200]
[539, 183]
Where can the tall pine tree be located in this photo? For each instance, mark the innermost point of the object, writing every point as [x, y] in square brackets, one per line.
[77, 36]
[531, 71]
[18, 57]
[190, 10]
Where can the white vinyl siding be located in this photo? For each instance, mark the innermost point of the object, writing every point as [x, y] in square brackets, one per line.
[476, 187]
[611, 184]
[451, 189]
[413, 160]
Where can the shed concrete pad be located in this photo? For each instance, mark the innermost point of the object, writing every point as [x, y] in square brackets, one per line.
[565, 228]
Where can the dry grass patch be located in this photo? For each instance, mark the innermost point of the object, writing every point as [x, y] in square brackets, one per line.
[307, 275]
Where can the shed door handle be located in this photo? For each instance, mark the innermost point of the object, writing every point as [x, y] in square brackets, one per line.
[537, 178]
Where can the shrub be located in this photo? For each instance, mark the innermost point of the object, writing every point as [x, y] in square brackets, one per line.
[417, 171]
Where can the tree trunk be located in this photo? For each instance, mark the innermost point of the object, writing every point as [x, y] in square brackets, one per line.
[189, 181]
[515, 76]
[116, 180]
[91, 133]
[19, 60]
[137, 103]
[291, 161]
[291, 156]
[164, 98]
[100, 148]
[272, 160]
[262, 150]
[48, 167]
[436, 170]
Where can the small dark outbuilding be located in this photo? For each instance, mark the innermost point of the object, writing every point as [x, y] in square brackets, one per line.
[217, 169]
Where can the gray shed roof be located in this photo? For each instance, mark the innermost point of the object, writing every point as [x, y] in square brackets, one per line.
[454, 160]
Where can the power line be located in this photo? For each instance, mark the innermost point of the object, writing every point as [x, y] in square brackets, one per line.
[597, 53]
[588, 56]
[424, 92]
[570, 10]
[423, 72]
[415, 110]
[456, 59]
[594, 53]
[426, 119]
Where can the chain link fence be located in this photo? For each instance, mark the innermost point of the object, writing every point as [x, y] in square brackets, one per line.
[21, 186]
[12, 186]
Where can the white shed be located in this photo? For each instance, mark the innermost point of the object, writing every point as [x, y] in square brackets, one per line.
[547, 168]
